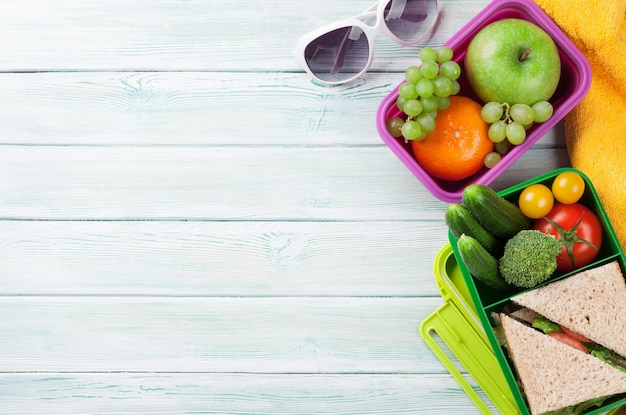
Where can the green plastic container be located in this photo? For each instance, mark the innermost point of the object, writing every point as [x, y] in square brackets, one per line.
[485, 300]
[457, 324]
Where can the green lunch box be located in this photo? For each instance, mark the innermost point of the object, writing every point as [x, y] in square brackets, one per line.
[456, 324]
[456, 331]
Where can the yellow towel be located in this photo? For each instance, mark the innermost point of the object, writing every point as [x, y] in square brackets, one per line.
[595, 129]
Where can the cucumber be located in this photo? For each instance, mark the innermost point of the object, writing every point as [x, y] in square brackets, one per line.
[481, 264]
[496, 214]
[461, 221]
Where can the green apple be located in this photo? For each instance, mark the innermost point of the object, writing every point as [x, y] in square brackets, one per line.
[513, 61]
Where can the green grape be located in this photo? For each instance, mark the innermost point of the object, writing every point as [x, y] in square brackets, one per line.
[413, 74]
[428, 54]
[426, 122]
[491, 112]
[412, 108]
[515, 133]
[456, 87]
[430, 104]
[424, 88]
[543, 111]
[442, 86]
[502, 147]
[411, 130]
[407, 91]
[492, 159]
[450, 69]
[497, 131]
[444, 54]
[522, 113]
[528, 126]
[430, 69]
[394, 126]
[400, 103]
[432, 114]
[443, 103]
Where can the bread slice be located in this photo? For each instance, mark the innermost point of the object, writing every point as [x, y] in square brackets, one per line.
[591, 303]
[555, 375]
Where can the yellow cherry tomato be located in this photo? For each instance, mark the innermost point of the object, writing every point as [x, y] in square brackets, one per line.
[568, 187]
[536, 201]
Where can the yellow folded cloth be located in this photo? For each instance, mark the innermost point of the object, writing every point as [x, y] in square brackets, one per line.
[595, 129]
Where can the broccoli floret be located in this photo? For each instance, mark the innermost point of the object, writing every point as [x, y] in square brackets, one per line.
[529, 258]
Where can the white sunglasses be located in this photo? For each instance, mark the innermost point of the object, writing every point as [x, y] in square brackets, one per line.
[338, 52]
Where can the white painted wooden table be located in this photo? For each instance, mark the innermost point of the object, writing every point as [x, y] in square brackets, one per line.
[189, 225]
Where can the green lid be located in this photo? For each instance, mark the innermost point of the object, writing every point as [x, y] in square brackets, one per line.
[452, 286]
[458, 326]
[471, 350]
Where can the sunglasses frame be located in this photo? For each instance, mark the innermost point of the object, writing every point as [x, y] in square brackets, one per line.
[371, 31]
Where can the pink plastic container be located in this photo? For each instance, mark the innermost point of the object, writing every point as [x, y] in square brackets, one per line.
[574, 84]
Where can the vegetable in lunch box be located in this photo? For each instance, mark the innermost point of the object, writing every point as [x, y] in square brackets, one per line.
[499, 216]
[578, 229]
[481, 264]
[529, 258]
[461, 221]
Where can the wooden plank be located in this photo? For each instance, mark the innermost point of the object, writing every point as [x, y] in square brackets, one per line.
[193, 108]
[224, 183]
[238, 393]
[219, 334]
[192, 35]
[187, 108]
[219, 258]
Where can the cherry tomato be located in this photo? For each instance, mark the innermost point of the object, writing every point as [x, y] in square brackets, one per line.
[536, 201]
[575, 335]
[568, 187]
[580, 231]
[570, 341]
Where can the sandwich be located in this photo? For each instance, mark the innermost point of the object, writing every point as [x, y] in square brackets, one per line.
[567, 341]
[555, 376]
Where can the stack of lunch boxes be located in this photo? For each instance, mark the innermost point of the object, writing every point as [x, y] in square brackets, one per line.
[460, 332]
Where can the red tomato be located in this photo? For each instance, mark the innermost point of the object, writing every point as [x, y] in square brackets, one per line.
[579, 229]
[575, 335]
[570, 341]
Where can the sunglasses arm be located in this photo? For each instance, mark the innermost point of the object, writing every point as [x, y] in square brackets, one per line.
[341, 52]
[396, 9]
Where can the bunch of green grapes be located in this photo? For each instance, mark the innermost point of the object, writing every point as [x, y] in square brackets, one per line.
[510, 122]
[427, 89]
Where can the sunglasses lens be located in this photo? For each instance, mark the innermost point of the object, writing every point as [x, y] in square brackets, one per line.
[410, 20]
[338, 55]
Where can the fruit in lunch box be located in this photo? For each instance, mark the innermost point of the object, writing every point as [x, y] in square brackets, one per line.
[461, 221]
[426, 90]
[543, 111]
[458, 144]
[496, 214]
[513, 61]
[492, 159]
[510, 122]
[483, 266]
